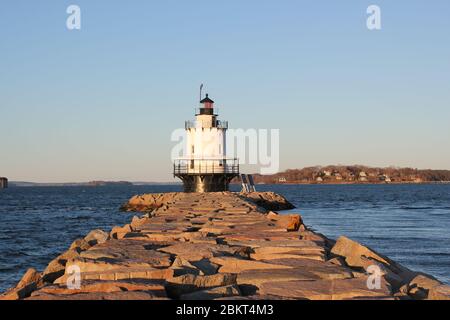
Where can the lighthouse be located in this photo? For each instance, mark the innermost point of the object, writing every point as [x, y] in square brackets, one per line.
[205, 167]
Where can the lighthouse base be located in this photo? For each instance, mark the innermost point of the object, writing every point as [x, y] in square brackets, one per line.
[206, 183]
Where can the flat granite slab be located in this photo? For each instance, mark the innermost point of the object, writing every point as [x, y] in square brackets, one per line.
[220, 246]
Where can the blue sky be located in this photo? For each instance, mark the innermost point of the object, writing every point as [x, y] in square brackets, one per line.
[101, 102]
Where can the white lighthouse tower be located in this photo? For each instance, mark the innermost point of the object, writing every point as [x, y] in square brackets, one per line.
[205, 167]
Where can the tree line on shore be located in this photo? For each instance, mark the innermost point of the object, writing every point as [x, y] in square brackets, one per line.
[354, 174]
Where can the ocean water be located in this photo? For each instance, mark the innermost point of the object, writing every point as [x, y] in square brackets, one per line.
[408, 223]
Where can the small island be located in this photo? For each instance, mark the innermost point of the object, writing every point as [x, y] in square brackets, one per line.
[108, 183]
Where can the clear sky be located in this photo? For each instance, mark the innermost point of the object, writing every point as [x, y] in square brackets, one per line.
[101, 102]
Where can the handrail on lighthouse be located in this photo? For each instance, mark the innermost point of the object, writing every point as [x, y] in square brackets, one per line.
[206, 166]
[206, 124]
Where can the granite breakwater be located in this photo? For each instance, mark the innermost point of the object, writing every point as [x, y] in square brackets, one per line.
[220, 246]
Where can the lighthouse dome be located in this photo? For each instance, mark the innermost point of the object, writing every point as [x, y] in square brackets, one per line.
[207, 100]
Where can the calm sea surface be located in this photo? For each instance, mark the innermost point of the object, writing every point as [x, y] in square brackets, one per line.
[409, 223]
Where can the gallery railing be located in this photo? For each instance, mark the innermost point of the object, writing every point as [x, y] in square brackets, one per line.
[196, 124]
[206, 166]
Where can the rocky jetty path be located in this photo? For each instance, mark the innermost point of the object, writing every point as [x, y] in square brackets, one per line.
[220, 246]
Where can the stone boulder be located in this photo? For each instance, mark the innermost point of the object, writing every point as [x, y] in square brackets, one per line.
[268, 200]
[96, 237]
[419, 287]
[182, 266]
[122, 274]
[179, 286]
[199, 251]
[118, 296]
[295, 221]
[156, 287]
[214, 293]
[120, 232]
[441, 292]
[318, 238]
[136, 222]
[80, 245]
[338, 289]
[29, 283]
[57, 266]
[30, 276]
[249, 281]
[291, 222]
[236, 265]
[149, 202]
[119, 254]
[359, 256]
[320, 269]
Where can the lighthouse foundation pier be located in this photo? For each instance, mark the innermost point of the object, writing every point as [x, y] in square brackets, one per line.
[206, 182]
[206, 175]
[3, 183]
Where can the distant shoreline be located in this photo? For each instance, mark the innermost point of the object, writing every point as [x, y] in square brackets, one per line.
[14, 184]
[354, 174]
[43, 185]
[317, 175]
[354, 183]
